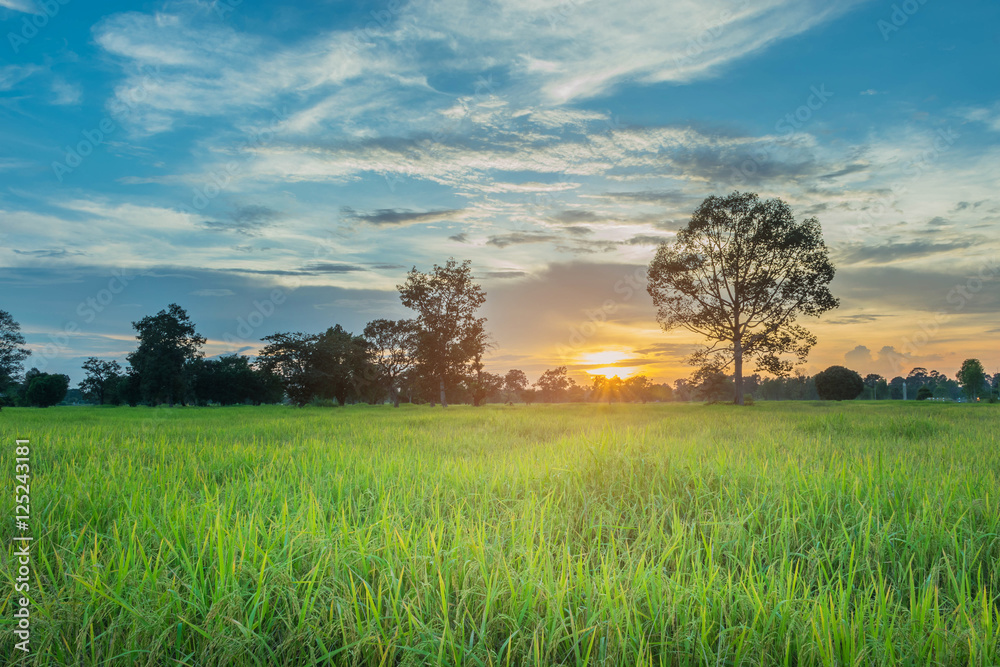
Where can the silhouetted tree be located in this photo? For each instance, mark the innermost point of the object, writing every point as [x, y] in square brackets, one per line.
[603, 388]
[289, 356]
[167, 342]
[872, 380]
[711, 385]
[344, 364]
[553, 384]
[232, 380]
[483, 386]
[515, 382]
[450, 335]
[334, 364]
[740, 274]
[393, 345]
[637, 388]
[837, 383]
[101, 383]
[43, 390]
[12, 352]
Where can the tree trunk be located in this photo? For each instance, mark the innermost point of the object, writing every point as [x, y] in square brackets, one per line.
[738, 368]
[395, 397]
[444, 401]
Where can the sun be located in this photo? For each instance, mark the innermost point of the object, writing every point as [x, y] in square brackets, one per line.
[609, 357]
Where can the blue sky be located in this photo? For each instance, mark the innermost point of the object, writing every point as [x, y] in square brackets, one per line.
[232, 156]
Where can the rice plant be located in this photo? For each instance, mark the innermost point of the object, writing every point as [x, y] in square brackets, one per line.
[782, 534]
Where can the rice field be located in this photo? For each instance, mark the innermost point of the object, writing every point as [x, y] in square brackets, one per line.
[778, 534]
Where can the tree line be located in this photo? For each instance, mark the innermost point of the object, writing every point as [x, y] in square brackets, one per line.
[740, 274]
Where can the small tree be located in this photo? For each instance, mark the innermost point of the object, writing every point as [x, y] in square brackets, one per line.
[924, 393]
[972, 377]
[837, 383]
[12, 351]
[553, 384]
[740, 274]
[393, 345]
[603, 388]
[101, 381]
[45, 389]
[637, 388]
[872, 380]
[516, 383]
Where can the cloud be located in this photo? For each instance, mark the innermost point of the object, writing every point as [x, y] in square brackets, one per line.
[888, 362]
[66, 94]
[648, 240]
[54, 253]
[20, 6]
[519, 238]
[571, 217]
[213, 292]
[552, 51]
[882, 254]
[395, 216]
[247, 220]
[11, 75]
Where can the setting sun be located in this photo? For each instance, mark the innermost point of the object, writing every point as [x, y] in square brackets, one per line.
[607, 360]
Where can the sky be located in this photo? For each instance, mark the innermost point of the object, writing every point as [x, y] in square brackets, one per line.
[281, 166]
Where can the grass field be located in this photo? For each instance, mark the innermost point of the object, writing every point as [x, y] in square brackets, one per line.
[791, 533]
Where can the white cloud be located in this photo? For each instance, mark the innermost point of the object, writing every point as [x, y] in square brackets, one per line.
[25, 6]
[11, 75]
[551, 52]
[66, 93]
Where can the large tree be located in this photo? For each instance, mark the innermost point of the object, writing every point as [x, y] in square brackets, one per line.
[450, 336]
[12, 350]
[740, 274]
[333, 364]
[393, 347]
[167, 342]
[289, 356]
[972, 377]
[102, 380]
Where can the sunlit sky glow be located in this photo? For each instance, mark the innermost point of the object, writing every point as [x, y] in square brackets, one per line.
[280, 166]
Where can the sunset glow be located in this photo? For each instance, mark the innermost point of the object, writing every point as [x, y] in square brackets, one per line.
[607, 360]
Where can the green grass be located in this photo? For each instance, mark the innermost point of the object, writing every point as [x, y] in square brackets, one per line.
[787, 534]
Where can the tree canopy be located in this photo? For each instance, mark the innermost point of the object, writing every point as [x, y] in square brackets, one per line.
[12, 350]
[450, 335]
[740, 274]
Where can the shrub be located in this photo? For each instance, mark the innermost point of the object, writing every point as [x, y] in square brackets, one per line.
[45, 389]
[837, 383]
[924, 393]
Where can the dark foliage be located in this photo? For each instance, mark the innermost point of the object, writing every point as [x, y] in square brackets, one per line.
[837, 383]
